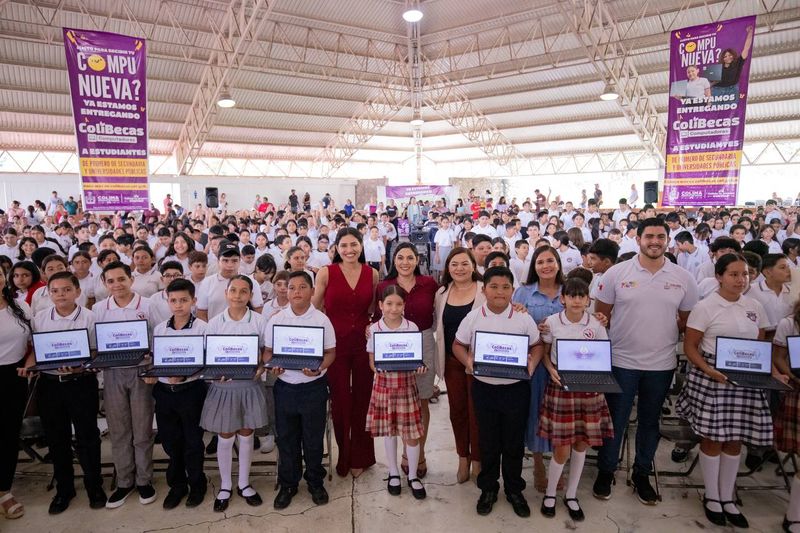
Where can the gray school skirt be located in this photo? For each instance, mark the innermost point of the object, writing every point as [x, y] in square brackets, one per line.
[234, 405]
[425, 381]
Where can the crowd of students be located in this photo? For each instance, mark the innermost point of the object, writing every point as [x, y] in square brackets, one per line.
[549, 271]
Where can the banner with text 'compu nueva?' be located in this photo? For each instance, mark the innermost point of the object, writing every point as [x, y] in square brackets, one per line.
[709, 71]
[107, 79]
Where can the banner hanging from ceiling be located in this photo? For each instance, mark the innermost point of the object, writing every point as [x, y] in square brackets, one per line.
[107, 80]
[709, 71]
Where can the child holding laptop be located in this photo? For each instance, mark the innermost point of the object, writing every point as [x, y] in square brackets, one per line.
[235, 407]
[572, 421]
[394, 406]
[301, 398]
[128, 401]
[501, 405]
[179, 402]
[69, 397]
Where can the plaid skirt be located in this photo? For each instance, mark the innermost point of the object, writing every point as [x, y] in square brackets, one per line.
[722, 412]
[787, 424]
[394, 406]
[570, 417]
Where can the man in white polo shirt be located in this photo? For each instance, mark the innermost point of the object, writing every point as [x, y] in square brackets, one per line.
[211, 292]
[648, 300]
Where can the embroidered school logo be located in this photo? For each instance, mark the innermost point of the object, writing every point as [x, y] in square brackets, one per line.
[588, 334]
[668, 286]
[752, 315]
[141, 316]
[629, 284]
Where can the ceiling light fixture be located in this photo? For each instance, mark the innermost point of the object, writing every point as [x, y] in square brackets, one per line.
[609, 93]
[225, 99]
[412, 15]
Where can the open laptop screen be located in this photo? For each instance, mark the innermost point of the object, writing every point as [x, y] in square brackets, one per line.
[501, 348]
[239, 350]
[398, 346]
[298, 340]
[53, 346]
[793, 343]
[178, 350]
[122, 336]
[744, 355]
[584, 355]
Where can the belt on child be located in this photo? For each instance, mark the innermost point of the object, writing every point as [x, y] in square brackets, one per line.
[177, 387]
[63, 378]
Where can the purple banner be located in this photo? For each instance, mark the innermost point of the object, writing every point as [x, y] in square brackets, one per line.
[399, 192]
[709, 71]
[107, 80]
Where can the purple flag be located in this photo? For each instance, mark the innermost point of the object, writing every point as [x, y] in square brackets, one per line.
[107, 80]
[708, 74]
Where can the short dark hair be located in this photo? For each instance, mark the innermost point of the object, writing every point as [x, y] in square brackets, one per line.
[651, 222]
[171, 265]
[181, 284]
[479, 238]
[65, 275]
[725, 242]
[683, 237]
[606, 249]
[757, 246]
[116, 264]
[770, 260]
[575, 286]
[498, 271]
[494, 255]
[301, 274]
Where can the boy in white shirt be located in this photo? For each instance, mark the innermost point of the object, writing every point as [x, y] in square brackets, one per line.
[301, 399]
[10, 247]
[501, 405]
[127, 399]
[69, 397]
[211, 293]
[159, 302]
[520, 264]
[690, 257]
[375, 250]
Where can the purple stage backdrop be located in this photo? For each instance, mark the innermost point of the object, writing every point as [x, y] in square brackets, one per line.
[107, 79]
[709, 70]
[407, 191]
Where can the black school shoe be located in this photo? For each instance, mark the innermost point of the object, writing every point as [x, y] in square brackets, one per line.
[735, 519]
[643, 489]
[715, 517]
[60, 503]
[318, 495]
[486, 502]
[602, 485]
[196, 497]
[546, 510]
[118, 497]
[220, 505]
[97, 498]
[419, 493]
[394, 490]
[174, 497]
[147, 494]
[254, 500]
[519, 504]
[576, 514]
[284, 497]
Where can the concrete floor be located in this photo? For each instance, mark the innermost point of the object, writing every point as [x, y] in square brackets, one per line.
[363, 505]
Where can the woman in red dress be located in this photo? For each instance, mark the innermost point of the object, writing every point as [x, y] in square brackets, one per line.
[345, 292]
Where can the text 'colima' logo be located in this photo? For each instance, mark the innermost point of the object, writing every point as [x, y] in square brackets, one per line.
[63, 345]
[502, 348]
[299, 340]
[399, 345]
[178, 350]
[234, 349]
[742, 353]
[122, 335]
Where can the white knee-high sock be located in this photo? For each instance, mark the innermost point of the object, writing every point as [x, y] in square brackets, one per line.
[390, 445]
[225, 463]
[576, 461]
[553, 475]
[793, 512]
[728, 468]
[412, 452]
[245, 458]
[710, 467]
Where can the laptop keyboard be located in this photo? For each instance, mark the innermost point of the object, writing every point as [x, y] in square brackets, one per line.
[408, 366]
[230, 372]
[294, 361]
[167, 372]
[507, 372]
[589, 379]
[121, 356]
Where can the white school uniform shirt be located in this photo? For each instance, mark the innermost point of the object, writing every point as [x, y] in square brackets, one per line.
[195, 326]
[620, 215]
[272, 307]
[159, 307]
[247, 269]
[280, 261]
[184, 262]
[628, 245]
[87, 285]
[41, 300]
[318, 259]
[588, 327]
[444, 237]
[693, 261]
[107, 310]
[777, 306]
[211, 295]
[566, 219]
[14, 337]
[508, 321]
[146, 284]
[644, 327]
[706, 287]
[774, 246]
[570, 259]
[99, 291]
[705, 270]
[526, 217]
[786, 328]
[251, 323]
[717, 317]
[312, 317]
[373, 250]
[50, 320]
[12, 252]
[488, 230]
[520, 268]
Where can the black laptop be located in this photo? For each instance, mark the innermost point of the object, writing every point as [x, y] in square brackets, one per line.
[500, 355]
[231, 357]
[398, 351]
[59, 349]
[747, 363]
[122, 343]
[297, 347]
[176, 356]
[585, 366]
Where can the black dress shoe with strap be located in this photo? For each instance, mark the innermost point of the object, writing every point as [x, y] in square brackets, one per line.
[221, 505]
[715, 517]
[418, 493]
[394, 490]
[735, 519]
[254, 500]
[548, 511]
[576, 514]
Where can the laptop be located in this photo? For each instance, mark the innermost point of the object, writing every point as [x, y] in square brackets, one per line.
[747, 363]
[176, 356]
[297, 347]
[500, 355]
[123, 343]
[231, 357]
[57, 349]
[712, 72]
[585, 366]
[398, 351]
[793, 345]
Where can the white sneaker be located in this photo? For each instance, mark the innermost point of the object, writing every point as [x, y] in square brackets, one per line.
[267, 443]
